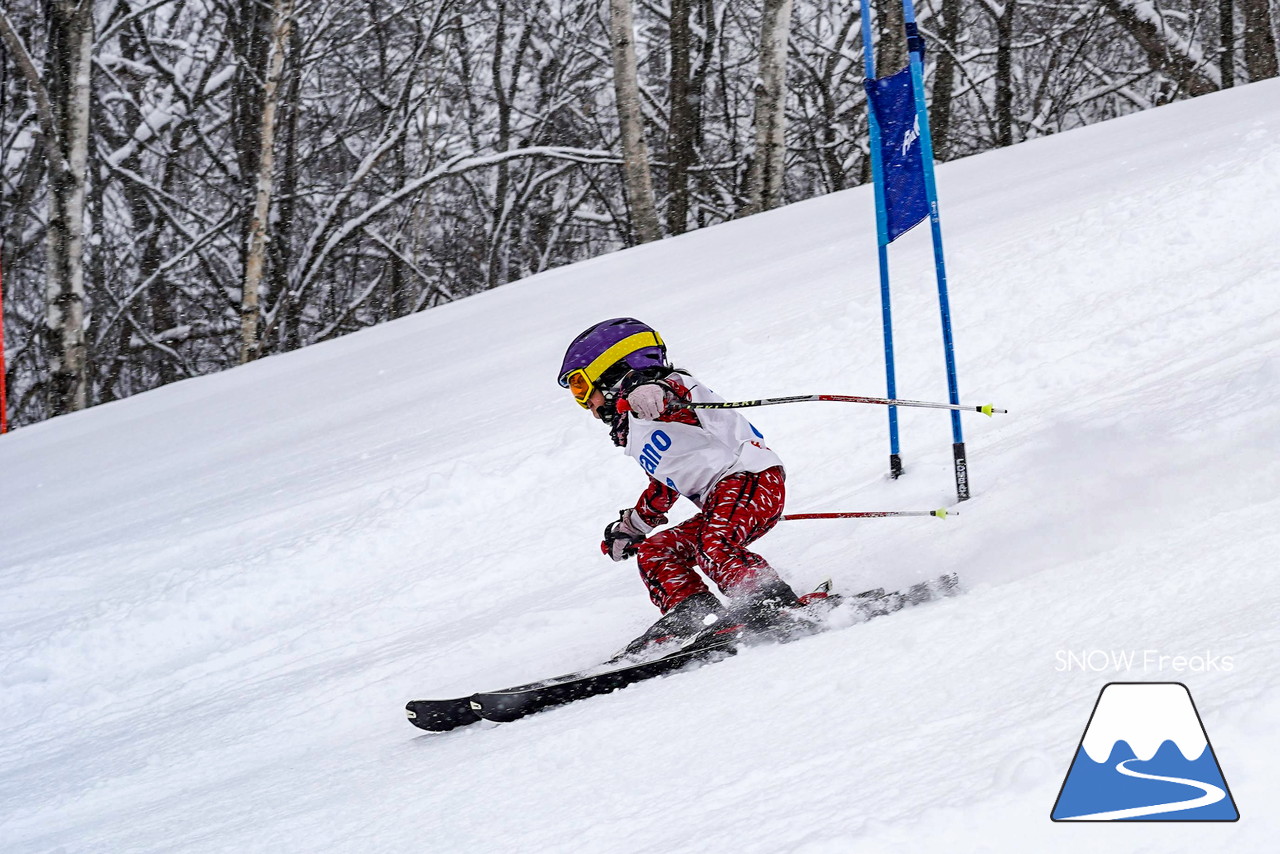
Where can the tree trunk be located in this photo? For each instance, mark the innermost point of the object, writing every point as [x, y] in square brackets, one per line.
[706, 28]
[1004, 74]
[1227, 40]
[290, 328]
[764, 177]
[680, 148]
[635, 154]
[255, 259]
[944, 76]
[1259, 41]
[891, 39]
[68, 75]
[496, 267]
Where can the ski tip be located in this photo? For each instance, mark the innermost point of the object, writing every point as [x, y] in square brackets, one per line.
[439, 715]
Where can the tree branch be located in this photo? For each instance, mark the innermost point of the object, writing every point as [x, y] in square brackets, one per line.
[44, 107]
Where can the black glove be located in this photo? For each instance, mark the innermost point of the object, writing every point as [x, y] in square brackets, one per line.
[623, 536]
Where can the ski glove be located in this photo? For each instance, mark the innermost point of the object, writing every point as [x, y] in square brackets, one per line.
[623, 536]
[648, 402]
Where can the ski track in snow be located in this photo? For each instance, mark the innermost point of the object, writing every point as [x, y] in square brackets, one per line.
[217, 596]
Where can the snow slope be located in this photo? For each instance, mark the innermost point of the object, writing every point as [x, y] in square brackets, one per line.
[217, 596]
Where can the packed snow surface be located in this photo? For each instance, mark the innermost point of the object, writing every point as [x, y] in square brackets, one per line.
[218, 596]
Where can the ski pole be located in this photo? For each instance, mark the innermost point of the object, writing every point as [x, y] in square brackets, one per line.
[986, 409]
[873, 514]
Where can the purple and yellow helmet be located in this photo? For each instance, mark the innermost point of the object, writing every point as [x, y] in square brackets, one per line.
[601, 355]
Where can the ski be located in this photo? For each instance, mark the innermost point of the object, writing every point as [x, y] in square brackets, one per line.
[714, 644]
[441, 715]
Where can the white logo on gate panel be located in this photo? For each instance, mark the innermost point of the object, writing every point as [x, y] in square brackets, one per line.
[909, 138]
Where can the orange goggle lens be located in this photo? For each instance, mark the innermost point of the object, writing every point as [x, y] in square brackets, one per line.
[581, 387]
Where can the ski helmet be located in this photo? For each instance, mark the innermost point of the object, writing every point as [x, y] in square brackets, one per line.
[602, 354]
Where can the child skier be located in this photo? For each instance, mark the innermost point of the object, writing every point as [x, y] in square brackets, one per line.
[618, 370]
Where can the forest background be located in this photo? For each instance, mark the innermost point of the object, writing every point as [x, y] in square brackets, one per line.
[192, 184]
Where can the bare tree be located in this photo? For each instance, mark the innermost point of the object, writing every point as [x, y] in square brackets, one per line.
[1003, 15]
[255, 258]
[1227, 42]
[944, 79]
[827, 116]
[891, 41]
[635, 153]
[429, 149]
[1259, 40]
[681, 133]
[764, 177]
[62, 97]
[1165, 50]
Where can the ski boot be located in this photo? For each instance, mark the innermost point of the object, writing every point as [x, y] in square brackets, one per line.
[687, 619]
[769, 609]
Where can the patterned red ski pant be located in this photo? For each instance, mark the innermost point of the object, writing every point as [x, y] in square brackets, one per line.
[739, 510]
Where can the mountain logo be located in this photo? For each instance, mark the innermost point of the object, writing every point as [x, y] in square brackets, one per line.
[1145, 756]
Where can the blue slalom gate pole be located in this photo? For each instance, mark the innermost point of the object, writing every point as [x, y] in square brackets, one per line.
[915, 47]
[882, 246]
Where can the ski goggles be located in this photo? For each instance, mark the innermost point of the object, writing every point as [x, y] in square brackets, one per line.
[580, 380]
[580, 385]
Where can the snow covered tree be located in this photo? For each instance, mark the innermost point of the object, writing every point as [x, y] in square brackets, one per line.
[1167, 50]
[764, 178]
[635, 152]
[423, 150]
[682, 95]
[1259, 39]
[264, 184]
[61, 96]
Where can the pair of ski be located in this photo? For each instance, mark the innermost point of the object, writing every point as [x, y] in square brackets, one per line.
[715, 643]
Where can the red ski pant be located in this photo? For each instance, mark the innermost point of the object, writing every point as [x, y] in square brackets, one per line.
[739, 510]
